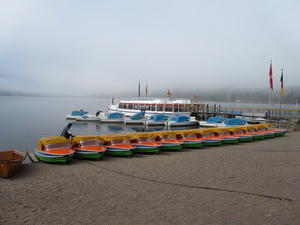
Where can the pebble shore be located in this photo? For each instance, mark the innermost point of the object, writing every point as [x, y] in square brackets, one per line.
[246, 183]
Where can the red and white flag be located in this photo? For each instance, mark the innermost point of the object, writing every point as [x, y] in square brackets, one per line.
[271, 75]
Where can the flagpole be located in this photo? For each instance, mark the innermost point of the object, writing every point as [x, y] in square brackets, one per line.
[139, 89]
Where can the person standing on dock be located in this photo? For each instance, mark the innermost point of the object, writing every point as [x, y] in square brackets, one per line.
[67, 131]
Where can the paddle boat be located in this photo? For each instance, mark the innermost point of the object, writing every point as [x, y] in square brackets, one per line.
[144, 142]
[181, 120]
[137, 118]
[269, 128]
[262, 129]
[189, 139]
[222, 122]
[252, 130]
[155, 120]
[10, 162]
[76, 114]
[241, 133]
[117, 145]
[209, 137]
[168, 140]
[87, 147]
[224, 133]
[112, 118]
[55, 149]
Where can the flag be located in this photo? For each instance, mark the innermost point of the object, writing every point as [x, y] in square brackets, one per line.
[169, 94]
[113, 100]
[146, 89]
[270, 75]
[195, 97]
[281, 87]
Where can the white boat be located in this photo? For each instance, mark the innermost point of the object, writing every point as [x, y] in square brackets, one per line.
[152, 106]
[76, 114]
[222, 122]
[115, 117]
[155, 120]
[138, 118]
[88, 118]
[181, 120]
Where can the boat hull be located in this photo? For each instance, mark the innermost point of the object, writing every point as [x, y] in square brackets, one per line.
[146, 147]
[10, 162]
[94, 152]
[54, 156]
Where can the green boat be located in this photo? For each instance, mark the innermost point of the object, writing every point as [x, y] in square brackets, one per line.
[144, 142]
[168, 140]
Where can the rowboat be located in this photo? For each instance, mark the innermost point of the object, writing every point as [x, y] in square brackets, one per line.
[10, 162]
[115, 117]
[144, 142]
[87, 147]
[181, 120]
[224, 133]
[55, 149]
[168, 140]
[189, 139]
[152, 106]
[209, 137]
[156, 120]
[117, 145]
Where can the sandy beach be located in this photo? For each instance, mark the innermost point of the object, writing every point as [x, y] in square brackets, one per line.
[246, 183]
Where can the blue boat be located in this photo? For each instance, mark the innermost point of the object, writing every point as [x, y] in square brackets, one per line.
[181, 120]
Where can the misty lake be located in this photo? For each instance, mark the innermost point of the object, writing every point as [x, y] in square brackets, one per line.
[24, 120]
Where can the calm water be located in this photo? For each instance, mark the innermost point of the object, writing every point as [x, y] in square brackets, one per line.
[24, 120]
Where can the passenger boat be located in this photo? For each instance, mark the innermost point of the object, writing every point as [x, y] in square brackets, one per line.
[10, 162]
[209, 137]
[55, 149]
[181, 120]
[117, 145]
[224, 133]
[156, 120]
[115, 117]
[189, 139]
[168, 140]
[87, 147]
[144, 142]
[138, 118]
[222, 122]
[167, 106]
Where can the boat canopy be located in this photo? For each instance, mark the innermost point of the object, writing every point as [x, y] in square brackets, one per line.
[140, 134]
[115, 115]
[138, 115]
[110, 137]
[216, 119]
[78, 113]
[234, 122]
[84, 138]
[180, 118]
[158, 117]
[51, 140]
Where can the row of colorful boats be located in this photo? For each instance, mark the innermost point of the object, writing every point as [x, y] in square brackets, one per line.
[61, 150]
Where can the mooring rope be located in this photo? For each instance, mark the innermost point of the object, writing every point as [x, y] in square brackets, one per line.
[192, 186]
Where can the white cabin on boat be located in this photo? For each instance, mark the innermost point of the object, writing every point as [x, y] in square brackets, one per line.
[153, 106]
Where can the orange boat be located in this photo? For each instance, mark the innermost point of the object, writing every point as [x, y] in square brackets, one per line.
[168, 140]
[144, 142]
[117, 145]
[10, 162]
[87, 147]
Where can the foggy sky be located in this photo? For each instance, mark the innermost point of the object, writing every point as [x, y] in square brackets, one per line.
[106, 47]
